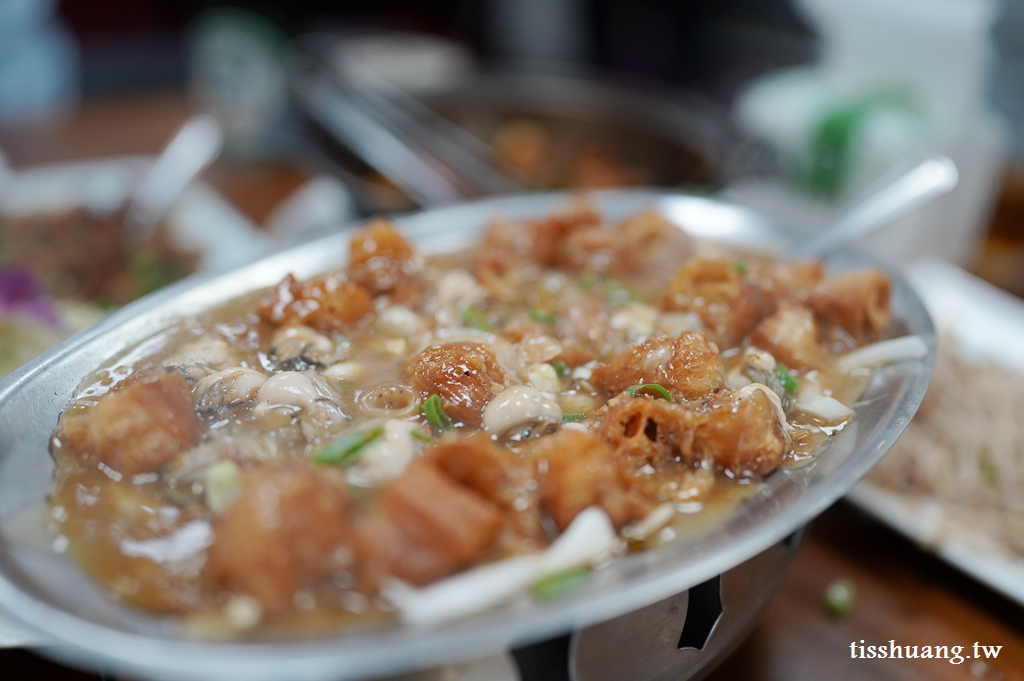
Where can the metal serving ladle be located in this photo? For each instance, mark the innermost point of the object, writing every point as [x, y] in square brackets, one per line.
[191, 149]
[893, 197]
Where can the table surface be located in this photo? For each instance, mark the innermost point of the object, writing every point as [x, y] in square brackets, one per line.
[903, 593]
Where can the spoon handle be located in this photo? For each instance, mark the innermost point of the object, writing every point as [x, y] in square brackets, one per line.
[928, 178]
[192, 148]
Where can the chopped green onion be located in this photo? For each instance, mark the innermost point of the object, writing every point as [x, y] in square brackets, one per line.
[435, 413]
[648, 388]
[989, 473]
[587, 279]
[560, 368]
[422, 437]
[789, 384]
[616, 293]
[543, 316]
[476, 318]
[740, 266]
[572, 418]
[840, 596]
[347, 449]
[559, 584]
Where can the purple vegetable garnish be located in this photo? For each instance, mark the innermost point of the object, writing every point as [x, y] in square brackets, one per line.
[20, 291]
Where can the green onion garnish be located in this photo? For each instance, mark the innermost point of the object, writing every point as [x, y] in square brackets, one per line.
[434, 412]
[422, 437]
[347, 449]
[559, 584]
[840, 596]
[543, 316]
[476, 318]
[648, 388]
[560, 367]
[587, 279]
[740, 266]
[616, 293]
[789, 384]
[572, 418]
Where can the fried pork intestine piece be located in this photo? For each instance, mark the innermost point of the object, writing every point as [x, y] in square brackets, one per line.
[475, 461]
[717, 293]
[791, 335]
[788, 280]
[509, 250]
[647, 432]
[381, 261]
[499, 476]
[857, 303]
[329, 304]
[577, 470]
[138, 426]
[688, 367]
[465, 376]
[646, 245]
[742, 431]
[286, 530]
[425, 526]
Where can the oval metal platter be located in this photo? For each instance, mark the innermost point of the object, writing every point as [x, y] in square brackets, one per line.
[46, 591]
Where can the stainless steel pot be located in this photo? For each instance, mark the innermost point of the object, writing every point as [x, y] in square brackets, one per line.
[48, 593]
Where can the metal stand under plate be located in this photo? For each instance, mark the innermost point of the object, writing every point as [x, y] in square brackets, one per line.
[684, 637]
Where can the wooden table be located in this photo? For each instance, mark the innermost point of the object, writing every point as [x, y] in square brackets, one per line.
[904, 594]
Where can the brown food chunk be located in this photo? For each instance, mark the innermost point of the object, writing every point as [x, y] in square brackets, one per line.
[574, 355]
[507, 251]
[578, 470]
[741, 432]
[688, 367]
[520, 327]
[795, 279]
[327, 304]
[475, 461]
[466, 376]
[653, 248]
[583, 320]
[791, 335]
[141, 425]
[646, 246]
[425, 527]
[380, 260]
[282, 533]
[593, 249]
[719, 295]
[857, 303]
[648, 431]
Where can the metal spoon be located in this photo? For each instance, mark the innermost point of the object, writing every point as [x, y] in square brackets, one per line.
[893, 197]
[191, 149]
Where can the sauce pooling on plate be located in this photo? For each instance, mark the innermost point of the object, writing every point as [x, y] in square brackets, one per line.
[322, 454]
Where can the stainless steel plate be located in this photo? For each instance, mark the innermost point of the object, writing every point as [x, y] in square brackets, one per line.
[48, 593]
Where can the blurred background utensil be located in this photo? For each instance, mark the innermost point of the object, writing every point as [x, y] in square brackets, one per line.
[191, 149]
[891, 198]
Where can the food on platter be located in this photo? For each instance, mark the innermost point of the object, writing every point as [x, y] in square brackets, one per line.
[419, 436]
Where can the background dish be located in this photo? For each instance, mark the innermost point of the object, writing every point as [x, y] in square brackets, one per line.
[49, 594]
[201, 221]
[986, 323]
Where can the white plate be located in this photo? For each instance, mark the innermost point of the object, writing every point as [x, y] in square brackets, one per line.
[987, 323]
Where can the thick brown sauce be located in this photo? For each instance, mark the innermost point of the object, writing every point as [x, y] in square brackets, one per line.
[115, 525]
